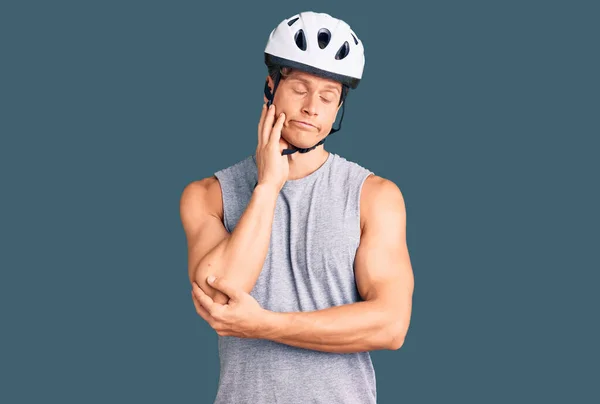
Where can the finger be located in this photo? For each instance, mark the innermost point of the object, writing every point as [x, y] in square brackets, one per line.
[276, 132]
[202, 312]
[268, 124]
[203, 298]
[283, 144]
[224, 286]
[213, 319]
[263, 114]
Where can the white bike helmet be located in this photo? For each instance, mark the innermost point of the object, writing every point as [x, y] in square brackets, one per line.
[319, 44]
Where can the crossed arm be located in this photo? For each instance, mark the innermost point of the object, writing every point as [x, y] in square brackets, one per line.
[384, 279]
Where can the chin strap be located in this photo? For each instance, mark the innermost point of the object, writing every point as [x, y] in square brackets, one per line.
[270, 96]
[300, 150]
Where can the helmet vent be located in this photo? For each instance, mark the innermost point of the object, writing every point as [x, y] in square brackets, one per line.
[300, 40]
[290, 22]
[343, 52]
[323, 37]
[355, 40]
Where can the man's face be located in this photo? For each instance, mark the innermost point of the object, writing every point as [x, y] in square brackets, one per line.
[310, 104]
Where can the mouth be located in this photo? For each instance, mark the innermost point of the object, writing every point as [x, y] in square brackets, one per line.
[303, 124]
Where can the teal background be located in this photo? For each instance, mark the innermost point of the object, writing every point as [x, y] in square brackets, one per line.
[485, 114]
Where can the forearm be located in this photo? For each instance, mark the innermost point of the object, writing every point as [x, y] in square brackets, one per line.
[357, 327]
[240, 257]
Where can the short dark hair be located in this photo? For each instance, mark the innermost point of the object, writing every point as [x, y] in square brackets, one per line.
[284, 71]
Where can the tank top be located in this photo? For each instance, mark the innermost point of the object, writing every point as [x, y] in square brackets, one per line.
[309, 266]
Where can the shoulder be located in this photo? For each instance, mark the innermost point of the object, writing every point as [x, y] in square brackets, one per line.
[236, 168]
[201, 197]
[380, 198]
[207, 193]
[200, 188]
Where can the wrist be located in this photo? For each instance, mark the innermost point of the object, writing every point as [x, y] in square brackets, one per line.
[270, 323]
[265, 188]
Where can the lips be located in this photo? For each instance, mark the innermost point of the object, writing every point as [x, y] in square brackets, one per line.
[304, 123]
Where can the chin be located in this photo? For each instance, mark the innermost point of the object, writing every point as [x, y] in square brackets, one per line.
[300, 138]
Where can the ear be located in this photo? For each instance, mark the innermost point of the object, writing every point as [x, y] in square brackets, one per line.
[271, 85]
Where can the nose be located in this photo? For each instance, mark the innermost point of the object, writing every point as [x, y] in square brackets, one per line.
[310, 105]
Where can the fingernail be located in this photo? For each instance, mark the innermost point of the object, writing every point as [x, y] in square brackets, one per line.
[211, 279]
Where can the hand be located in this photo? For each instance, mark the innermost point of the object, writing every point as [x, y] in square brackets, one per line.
[273, 168]
[241, 317]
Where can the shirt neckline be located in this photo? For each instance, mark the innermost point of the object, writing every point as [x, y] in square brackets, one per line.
[290, 184]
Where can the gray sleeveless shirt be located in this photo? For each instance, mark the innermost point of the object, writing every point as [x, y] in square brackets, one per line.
[309, 266]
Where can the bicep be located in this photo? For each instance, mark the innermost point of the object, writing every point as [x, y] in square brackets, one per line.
[203, 228]
[383, 269]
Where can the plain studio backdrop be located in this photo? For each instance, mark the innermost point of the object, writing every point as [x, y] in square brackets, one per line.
[485, 114]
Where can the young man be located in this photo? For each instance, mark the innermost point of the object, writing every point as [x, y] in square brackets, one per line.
[308, 249]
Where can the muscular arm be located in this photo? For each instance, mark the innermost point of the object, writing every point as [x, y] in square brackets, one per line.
[239, 256]
[384, 278]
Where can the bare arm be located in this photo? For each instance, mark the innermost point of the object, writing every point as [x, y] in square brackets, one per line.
[238, 256]
[384, 278]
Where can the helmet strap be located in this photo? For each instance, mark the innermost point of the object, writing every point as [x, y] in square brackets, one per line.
[300, 150]
[271, 96]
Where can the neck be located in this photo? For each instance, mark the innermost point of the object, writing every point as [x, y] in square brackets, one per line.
[303, 164]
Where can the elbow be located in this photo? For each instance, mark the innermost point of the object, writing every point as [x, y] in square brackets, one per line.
[208, 265]
[201, 272]
[396, 342]
[395, 337]
[200, 277]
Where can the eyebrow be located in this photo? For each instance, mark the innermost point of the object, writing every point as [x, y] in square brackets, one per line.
[331, 86]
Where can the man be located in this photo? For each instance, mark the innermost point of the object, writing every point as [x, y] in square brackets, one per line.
[297, 256]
